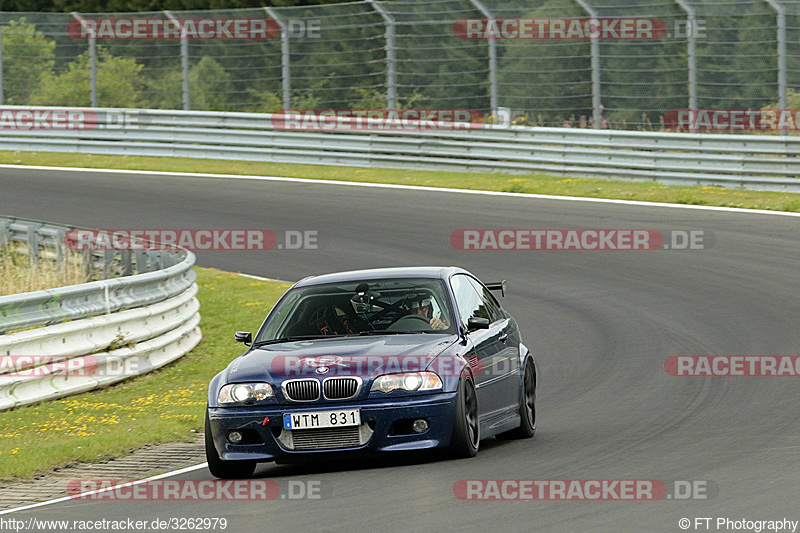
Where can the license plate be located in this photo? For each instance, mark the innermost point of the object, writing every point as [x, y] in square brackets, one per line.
[322, 419]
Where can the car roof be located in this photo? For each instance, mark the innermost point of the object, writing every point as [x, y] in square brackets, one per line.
[431, 272]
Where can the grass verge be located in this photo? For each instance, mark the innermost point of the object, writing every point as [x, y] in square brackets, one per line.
[522, 183]
[163, 406]
[18, 275]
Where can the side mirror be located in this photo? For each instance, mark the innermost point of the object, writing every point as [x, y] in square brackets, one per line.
[244, 336]
[475, 322]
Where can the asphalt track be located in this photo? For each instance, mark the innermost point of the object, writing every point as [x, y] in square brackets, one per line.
[600, 323]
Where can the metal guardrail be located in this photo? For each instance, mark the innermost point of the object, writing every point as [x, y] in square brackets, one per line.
[111, 329]
[750, 161]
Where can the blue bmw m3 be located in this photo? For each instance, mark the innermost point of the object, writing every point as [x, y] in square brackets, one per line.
[378, 360]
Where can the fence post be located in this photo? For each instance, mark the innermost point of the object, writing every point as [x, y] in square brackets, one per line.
[597, 112]
[492, 59]
[184, 60]
[391, 75]
[2, 100]
[92, 61]
[691, 54]
[286, 76]
[780, 14]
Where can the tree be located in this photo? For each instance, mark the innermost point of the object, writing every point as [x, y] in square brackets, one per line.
[118, 83]
[27, 57]
[550, 81]
[209, 86]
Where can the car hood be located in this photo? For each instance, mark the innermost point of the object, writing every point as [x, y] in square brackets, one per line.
[353, 356]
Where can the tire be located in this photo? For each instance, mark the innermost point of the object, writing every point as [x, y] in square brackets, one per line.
[225, 469]
[467, 429]
[527, 409]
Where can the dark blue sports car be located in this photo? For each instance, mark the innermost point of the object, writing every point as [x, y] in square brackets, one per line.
[373, 361]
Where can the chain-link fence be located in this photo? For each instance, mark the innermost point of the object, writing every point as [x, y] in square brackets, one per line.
[423, 54]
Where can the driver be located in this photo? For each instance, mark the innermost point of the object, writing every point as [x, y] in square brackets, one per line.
[424, 308]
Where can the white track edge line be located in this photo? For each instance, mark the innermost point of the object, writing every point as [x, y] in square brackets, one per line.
[106, 489]
[406, 187]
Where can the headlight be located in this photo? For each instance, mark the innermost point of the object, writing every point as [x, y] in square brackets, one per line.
[410, 381]
[244, 392]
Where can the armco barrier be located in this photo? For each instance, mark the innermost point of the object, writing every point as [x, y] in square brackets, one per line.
[767, 162]
[113, 329]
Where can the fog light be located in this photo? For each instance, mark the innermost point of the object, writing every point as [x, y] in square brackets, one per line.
[235, 437]
[420, 426]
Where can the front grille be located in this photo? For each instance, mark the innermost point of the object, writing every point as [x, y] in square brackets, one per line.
[326, 438]
[301, 390]
[340, 388]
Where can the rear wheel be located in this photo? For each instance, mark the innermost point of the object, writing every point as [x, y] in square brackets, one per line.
[225, 469]
[527, 408]
[466, 430]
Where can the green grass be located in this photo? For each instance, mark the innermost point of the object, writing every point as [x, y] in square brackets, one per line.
[163, 406]
[522, 183]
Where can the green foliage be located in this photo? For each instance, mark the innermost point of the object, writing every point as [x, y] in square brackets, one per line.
[114, 6]
[369, 99]
[272, 102]
[118, 83]
[549, 79]
[27, 56]
[210, 86]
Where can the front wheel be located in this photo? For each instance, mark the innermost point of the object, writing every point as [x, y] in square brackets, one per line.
[466, 430]
[225, 469]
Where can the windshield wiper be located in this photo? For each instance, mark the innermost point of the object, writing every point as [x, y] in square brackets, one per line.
[292, 339]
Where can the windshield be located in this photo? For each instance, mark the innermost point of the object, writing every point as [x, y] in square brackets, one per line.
[415, 305]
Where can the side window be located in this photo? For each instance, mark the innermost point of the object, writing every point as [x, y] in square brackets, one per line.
[488, 300]
[469, 301]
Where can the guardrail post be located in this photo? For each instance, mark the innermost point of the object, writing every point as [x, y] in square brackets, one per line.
[33, 242]
[92, 61]
[184, 60]
[61, 252]
[492, 59]
[691, 54]
[3, 234]
[597, 112]
[391, 60]
[780, 14]
[127, 264]
[286, 76]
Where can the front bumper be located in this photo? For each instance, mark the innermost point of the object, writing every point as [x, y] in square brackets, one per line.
[383, 427]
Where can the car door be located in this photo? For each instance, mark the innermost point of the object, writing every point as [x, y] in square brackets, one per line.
[496, 390]
[505, 361]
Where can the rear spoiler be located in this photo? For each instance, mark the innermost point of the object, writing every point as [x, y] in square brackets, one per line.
[497, 286]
